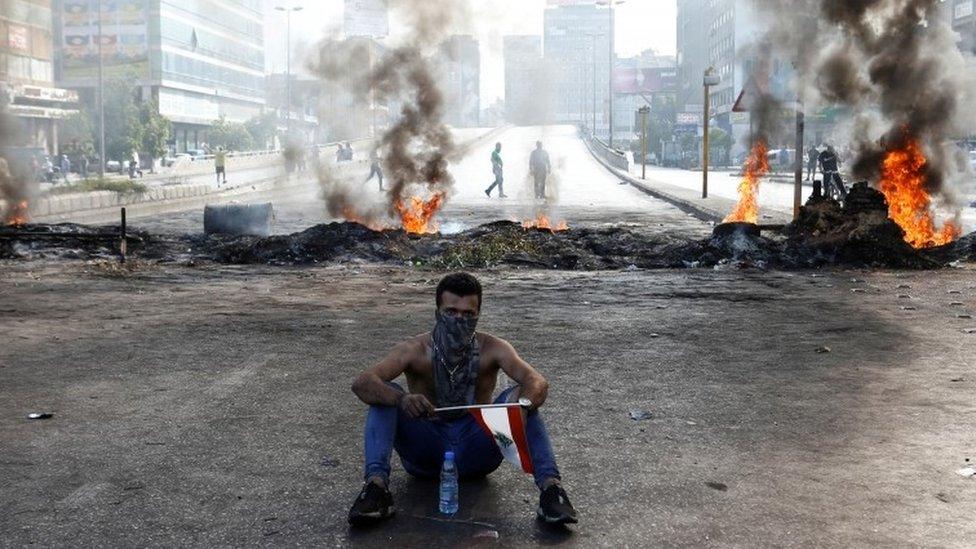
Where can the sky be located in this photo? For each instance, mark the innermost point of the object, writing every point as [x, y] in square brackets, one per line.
[641, 25]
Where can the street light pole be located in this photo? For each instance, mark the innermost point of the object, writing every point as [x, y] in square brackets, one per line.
[288, 12]
[101, 99]
[644, 111]
[610, 4]
[593, 38]
[711, 79]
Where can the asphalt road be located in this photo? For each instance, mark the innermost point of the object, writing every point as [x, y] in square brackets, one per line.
[210, 406]
[581, 192]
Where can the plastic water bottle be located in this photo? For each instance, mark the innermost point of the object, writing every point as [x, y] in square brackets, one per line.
[449, 485]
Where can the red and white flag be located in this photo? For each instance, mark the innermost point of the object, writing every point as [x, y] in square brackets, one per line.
[507, 428]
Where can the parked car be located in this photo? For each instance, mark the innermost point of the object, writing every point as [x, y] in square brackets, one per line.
[171, 159]
[196, 153]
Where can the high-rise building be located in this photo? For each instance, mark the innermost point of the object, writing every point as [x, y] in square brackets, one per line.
[577, 53]
[725, 36]
[27, 75]
[459, 61]
[198, 60]
[963, 21]
[644, 80]
[525, 82]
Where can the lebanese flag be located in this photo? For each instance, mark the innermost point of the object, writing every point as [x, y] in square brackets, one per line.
[506, 427]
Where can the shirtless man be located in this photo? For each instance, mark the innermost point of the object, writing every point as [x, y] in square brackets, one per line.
[453, 365]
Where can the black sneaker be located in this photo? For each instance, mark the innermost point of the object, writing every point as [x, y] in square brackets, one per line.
[374, 504]
[555, 508]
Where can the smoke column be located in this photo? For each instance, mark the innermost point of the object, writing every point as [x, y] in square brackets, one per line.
[417, 148]
[897, 67]
[16, 181]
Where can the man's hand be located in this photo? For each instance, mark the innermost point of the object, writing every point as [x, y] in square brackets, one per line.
[416, 406]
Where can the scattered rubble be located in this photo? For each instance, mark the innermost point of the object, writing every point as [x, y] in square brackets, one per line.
[858, 235]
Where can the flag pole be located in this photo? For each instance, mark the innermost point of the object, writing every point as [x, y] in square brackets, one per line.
[523, 402]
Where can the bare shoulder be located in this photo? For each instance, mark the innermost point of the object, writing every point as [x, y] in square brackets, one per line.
[414, 348]
[494, 345]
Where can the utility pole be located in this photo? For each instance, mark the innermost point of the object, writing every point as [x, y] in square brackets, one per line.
[610, 4]
[711, 79]
[593, 38]
[101, 99]
[288, 11]
[798, 174]
[644, 111]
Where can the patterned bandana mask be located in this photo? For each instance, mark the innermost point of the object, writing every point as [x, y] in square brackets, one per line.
[455, 357]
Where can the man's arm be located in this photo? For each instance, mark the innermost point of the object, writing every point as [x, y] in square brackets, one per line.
[533, 385]
[371, 386]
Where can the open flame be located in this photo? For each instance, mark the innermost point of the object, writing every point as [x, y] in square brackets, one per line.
[903, 182]
[18, 214]
[757, 166]
[417, 214]
[542, 221]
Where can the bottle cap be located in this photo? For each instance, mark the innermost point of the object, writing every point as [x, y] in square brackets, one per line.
[448, 456]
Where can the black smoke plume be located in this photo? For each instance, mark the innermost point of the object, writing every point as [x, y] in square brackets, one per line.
[417, 148]
[896, 66]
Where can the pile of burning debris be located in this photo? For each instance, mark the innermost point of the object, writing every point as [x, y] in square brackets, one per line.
[858, 234]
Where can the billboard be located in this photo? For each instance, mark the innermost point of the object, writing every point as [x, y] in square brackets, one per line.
[644, 81]
[124, 38]
[366, 18]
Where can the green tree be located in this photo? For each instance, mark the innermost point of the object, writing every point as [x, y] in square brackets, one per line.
[661, 121]
[229, 135]
[263, 129]
[719, 141]
[123, 128]
[76, 134]
[154, 128]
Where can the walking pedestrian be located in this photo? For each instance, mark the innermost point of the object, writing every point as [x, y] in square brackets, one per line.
[134, 165]
[220, 165]
[497, 166]
[812, 155]
[375, 168]
[541, 167]
[65, 167]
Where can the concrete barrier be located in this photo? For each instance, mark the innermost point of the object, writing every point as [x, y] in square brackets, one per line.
[158, 199]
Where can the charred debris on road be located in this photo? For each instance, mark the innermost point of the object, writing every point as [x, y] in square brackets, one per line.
[858, 234]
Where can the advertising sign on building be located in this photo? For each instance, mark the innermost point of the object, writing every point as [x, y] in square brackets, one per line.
[124, 38]
[18, 38]
[640, 81]
[366, 18]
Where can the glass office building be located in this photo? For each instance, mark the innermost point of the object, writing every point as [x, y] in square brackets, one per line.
[27, 76]
[200, 60]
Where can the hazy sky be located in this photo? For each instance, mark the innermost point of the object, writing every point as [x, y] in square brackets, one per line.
[641, 24]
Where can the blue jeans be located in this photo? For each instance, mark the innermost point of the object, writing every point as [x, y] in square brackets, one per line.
[421, 444]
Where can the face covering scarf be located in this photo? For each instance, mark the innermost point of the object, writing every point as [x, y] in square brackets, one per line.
[455, 356]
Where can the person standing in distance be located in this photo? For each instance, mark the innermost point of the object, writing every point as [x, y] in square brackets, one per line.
[497, 166]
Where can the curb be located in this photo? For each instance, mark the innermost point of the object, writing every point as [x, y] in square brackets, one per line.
[714, 210]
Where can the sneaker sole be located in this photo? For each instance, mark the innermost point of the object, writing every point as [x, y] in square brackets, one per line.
[555, 520]
[371, 518]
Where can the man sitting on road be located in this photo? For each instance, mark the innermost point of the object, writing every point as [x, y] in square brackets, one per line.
[540, 167]
[453, 365]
